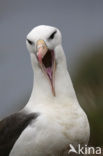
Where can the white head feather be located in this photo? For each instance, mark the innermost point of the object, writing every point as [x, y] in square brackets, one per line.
[62, 81]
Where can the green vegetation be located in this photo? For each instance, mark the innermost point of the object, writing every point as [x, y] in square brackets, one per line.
[88, 83]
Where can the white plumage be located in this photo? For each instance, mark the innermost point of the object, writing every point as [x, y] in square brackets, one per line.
[61, 120]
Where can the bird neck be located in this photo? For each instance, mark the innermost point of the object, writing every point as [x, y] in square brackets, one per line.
[41, 86]
[63, 83]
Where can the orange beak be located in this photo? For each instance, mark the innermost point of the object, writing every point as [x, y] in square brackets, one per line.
[46, 60]
[41, 49]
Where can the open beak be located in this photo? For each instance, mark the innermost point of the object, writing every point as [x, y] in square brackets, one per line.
[46, 59]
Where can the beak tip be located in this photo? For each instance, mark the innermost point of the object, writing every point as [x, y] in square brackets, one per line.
[41, 49]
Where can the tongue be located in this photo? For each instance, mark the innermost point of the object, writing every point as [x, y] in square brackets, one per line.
[49, 72]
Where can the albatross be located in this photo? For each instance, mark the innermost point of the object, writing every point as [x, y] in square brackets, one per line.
[52, 119]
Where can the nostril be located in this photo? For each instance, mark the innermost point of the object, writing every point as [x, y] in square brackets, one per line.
[40, 46]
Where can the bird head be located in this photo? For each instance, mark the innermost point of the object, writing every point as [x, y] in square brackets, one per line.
[43, 43]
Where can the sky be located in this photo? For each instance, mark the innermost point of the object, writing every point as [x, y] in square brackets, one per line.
[80, 21]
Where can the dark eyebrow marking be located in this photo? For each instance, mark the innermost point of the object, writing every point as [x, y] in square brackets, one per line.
[30, 42]
[52, 35]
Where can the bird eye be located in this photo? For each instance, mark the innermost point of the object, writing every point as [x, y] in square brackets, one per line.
[52, 35]
[30, 42]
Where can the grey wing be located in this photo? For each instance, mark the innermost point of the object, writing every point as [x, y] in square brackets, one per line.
[11, 128]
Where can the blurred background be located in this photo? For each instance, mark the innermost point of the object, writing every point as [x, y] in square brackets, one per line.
[81, 24]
